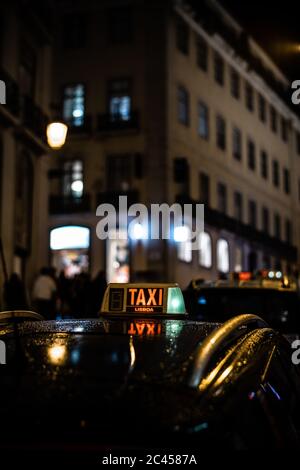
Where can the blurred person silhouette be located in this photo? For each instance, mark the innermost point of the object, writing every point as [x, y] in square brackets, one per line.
[98, 287]
[64, 293]
[15, 297]
[44, 294]
[80, 295]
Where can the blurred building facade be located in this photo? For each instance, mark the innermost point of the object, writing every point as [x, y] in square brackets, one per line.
[170, 101]
[25, 64]
[191, 110]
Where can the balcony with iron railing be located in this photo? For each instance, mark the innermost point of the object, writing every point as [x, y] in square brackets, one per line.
[215, 218]
[215, 23]
[111, 123]
[85, 128]
[112, 197]
[59, 205]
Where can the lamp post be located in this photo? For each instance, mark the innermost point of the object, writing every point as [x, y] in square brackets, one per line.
[56, 134]
[57, 129]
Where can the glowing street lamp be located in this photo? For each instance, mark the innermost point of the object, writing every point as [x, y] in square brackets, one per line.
[56, 134]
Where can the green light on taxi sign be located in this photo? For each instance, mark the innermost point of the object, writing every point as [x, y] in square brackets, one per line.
[175, 301]
[143, 299]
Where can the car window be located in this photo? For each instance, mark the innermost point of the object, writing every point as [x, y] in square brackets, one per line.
[221, 304]
[280, 309]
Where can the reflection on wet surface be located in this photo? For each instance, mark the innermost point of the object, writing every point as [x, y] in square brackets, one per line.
[159, 346]
[103, 369]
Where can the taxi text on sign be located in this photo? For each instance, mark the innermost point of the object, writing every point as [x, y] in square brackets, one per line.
[144, 299]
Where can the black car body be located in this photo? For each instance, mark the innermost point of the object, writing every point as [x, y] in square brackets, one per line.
[84, 387]
[279, 307]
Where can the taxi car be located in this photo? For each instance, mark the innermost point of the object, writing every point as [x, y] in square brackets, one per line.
[269, 294]
[142, 378]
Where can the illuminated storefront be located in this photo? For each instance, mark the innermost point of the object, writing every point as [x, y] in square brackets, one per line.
[117, 257]
[70, 247]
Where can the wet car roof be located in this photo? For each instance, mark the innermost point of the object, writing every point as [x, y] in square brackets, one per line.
[93, 366]
[107, 325]
[76, 346]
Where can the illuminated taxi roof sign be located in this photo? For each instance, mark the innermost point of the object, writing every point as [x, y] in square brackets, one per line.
[143, 299]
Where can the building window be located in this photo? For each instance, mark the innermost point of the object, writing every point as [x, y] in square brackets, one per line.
[275, 173]
[235, 84]
[219, 69]
[264, 164]
[202, 54]
[288, 232]
[203, 120]
[277, 226]
[117, 257]
[238, 206]
[120, 25]
[181, 170]
[265, 220]
[205, 250]
[251, 155]
[286, 181]
[237, 143]
[182, 36]
[221, 132]
[262, 108]
[222, 256]
[70, 237]
[298, 142]
[119, 99]
[122, 170]
[252, 217]
[249, 96]
[74, 31]
[238, 259]
[183, 106]
[273, 115]
[73, 179]
[184, 244]
[284, 129]
[74, 105]
[204, 189]
[222, 198]
[69, 247]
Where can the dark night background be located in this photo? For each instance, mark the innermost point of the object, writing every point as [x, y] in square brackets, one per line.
[275, 26]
